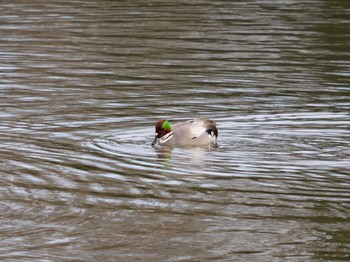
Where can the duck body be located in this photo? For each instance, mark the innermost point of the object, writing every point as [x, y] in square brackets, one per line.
[196, 132]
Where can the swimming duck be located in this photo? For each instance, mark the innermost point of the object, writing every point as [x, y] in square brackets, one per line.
[196, 132]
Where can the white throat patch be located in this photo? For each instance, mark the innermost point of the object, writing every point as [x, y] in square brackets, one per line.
[166, 137]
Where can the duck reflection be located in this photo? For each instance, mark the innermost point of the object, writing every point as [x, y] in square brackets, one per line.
[191, 155]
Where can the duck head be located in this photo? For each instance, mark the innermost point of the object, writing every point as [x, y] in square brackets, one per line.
[164, 132]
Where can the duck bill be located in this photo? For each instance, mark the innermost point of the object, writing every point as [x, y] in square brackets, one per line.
[155, 141]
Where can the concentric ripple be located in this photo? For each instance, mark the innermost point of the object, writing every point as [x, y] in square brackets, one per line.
[82, 84]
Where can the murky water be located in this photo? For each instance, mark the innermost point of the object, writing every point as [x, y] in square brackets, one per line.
[83, 84]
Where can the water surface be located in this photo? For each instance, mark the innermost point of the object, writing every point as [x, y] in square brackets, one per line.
[83, 84]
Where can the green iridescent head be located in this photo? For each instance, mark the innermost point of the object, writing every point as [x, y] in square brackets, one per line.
[163, 127]
[167, 126]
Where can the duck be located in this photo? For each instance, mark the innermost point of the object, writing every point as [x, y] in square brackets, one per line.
[195, 132]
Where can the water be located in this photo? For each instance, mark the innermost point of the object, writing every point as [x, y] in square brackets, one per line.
[83, 84]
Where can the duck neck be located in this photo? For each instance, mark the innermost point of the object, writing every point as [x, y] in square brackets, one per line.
[166, 137]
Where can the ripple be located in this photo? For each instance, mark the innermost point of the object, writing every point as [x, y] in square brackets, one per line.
[83, 85]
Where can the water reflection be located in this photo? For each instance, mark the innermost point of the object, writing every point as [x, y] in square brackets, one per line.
[82, 84]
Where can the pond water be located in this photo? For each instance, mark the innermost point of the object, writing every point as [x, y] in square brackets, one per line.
[83, 84]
